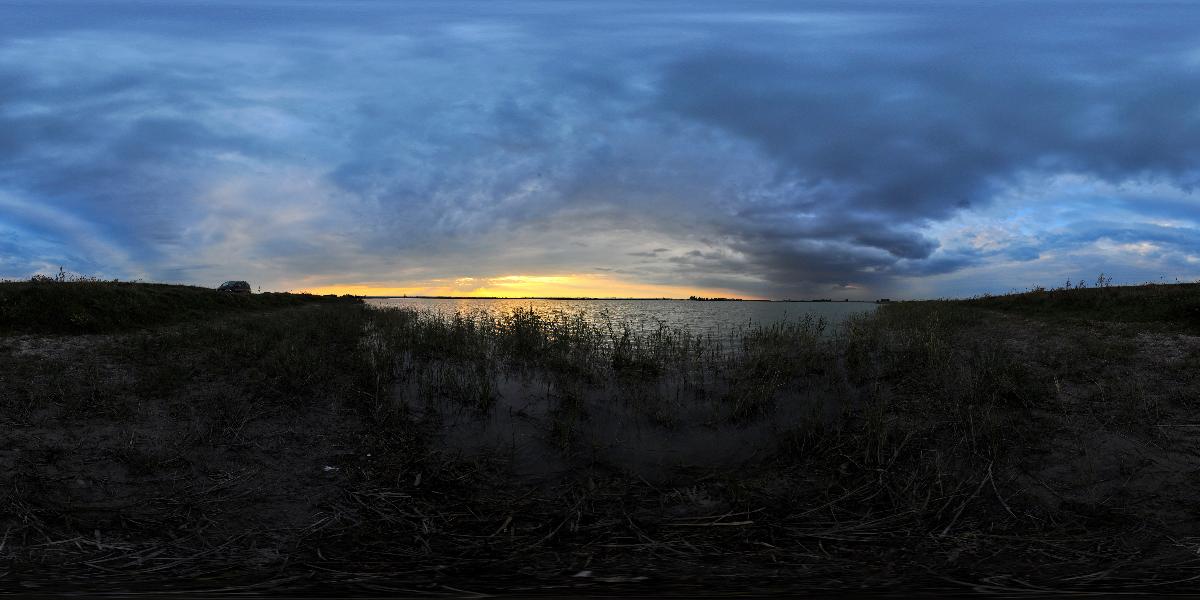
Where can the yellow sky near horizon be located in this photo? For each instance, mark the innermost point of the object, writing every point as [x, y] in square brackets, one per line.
[590, 285]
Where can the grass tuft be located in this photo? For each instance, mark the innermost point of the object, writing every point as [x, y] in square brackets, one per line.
[327, 445]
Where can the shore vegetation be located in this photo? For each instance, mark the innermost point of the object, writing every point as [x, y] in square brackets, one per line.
[157, 437]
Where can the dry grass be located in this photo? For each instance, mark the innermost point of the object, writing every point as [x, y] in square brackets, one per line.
[947, 447]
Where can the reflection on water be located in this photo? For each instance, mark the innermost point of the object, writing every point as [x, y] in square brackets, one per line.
[713, 318]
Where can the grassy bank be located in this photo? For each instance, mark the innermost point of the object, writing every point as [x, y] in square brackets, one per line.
[89, 306]
[1003, 444]
[1174, 306]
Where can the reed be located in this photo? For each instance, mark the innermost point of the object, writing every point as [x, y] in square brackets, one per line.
[950, 444]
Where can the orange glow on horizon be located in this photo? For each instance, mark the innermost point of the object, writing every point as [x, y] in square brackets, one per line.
[526, 286]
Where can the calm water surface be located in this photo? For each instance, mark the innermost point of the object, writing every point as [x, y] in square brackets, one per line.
[698, 317]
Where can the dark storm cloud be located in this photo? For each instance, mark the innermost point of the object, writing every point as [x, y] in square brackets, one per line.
[772, 149]
[929, 121]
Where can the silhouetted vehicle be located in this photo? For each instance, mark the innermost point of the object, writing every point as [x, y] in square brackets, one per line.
[235, 287]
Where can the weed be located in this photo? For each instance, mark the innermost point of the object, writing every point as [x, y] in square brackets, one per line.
[276, 444]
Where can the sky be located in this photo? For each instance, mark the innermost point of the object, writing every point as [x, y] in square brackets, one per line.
[577, 148]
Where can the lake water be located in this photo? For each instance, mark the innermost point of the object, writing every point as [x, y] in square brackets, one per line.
[714, 318]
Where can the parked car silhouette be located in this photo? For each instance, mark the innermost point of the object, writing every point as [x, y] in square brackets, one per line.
[235, 287]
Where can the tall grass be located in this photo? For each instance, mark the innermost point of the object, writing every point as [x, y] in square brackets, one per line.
[574, 343]
[906, 451]
[466, 353]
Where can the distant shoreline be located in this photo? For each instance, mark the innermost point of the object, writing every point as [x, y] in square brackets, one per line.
[620, 299]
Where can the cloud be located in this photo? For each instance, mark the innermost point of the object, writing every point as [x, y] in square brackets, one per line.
[912, 129]
[779, 151]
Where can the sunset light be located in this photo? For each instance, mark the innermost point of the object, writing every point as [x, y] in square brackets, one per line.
[587, 285]
[593, 298]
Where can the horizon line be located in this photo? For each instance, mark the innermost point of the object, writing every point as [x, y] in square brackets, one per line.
[404, 297]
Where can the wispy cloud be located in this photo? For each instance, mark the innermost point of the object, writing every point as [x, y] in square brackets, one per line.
[782, 150]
